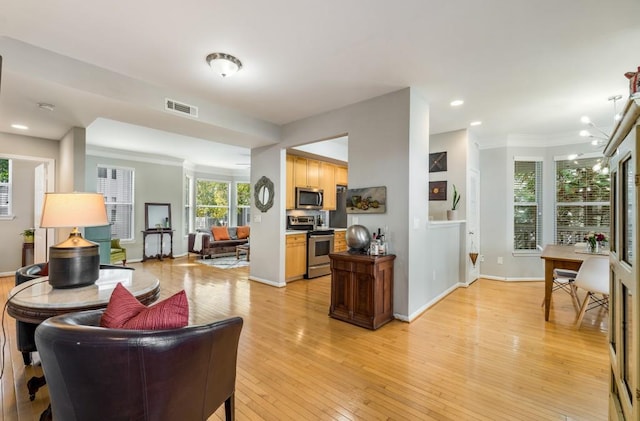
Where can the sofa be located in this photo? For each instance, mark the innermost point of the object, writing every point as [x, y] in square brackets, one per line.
[218, 241]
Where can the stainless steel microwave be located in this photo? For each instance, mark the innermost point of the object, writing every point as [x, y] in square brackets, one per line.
[309, 198]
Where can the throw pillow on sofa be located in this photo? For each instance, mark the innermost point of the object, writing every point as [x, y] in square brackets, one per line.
[243, 232]
[220, 233]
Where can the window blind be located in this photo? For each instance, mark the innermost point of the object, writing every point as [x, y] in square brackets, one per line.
[118, 195]
[527, 209]
[582, 200]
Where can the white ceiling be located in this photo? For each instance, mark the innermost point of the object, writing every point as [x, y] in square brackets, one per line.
[527, 69]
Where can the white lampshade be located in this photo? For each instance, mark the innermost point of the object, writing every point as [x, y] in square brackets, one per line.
[71, 210]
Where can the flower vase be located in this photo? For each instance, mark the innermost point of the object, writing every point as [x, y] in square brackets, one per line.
[594, 247]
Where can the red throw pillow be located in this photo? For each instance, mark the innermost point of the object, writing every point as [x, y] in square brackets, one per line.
[220, 233]
[124, 311]
[243, 232]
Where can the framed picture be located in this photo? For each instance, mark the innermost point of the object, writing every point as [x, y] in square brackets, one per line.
[437, 190]
[437, 161]
[367, 200]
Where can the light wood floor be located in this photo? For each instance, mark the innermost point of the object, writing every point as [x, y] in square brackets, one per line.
[482, 353]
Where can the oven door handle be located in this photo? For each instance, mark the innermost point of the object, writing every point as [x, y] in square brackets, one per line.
[321, 236]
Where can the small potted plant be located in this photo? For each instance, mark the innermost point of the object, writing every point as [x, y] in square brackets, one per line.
[28, 235]
[452, 214]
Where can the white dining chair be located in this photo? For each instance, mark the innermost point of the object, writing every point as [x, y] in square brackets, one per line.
[593, 277]
[564, 279]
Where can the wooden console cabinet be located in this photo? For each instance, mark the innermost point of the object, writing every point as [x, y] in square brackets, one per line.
[362, 289]
[159, 251]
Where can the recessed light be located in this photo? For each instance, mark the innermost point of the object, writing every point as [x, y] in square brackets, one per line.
[20, 126]
[475, 123]
[457, 103]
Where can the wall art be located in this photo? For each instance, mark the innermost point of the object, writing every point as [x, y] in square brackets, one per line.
[437, 190]
[367, 200]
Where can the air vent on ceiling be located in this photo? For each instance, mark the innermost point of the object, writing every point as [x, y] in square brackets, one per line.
[180, 108]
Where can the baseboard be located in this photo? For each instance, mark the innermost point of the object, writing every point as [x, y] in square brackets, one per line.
[428, 305]
[510, 279]
[268, 282]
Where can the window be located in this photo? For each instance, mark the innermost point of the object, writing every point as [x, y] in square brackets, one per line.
[243, 192]
[117, 189]
[582, 200]
[212, 204]
[5, 187]
[187, 204]
[527, 206]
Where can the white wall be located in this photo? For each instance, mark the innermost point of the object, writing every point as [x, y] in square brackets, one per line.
[154, 183]
[496, 204]
[455, 144]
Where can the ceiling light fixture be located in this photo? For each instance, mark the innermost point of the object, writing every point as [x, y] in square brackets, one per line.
[616, 115]
[20, 126]
[475, 123]
[224, 64]
[603, 137]
[45, 106]
[456, 103]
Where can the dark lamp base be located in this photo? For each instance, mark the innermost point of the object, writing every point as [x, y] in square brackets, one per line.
[71, 266]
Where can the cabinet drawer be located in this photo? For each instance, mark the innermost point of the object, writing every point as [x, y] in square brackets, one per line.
[341, 265]
[296, 239]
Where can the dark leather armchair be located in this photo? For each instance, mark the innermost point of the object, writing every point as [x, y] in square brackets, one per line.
[25, 331]
[118, 374]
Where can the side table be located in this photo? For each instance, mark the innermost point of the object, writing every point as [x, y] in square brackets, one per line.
[243, 247]
[362, 289]
[27, 254]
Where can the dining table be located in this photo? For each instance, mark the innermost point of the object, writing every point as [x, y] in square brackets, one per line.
[557, 256]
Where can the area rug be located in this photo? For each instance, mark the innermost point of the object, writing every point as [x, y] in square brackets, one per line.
[228, 262]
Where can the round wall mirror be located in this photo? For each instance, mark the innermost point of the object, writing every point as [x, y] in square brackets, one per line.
[263, 194]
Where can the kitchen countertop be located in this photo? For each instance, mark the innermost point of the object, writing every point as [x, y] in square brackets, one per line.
[290, 232]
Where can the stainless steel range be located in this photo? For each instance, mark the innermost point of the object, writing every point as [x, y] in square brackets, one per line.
[319, 245]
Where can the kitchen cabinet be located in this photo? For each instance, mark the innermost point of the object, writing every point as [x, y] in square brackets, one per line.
[328, 185]
[313, 173]
[341, 176]
[296, 256]
[291, 185]
[306, 172]
[340, 241]
[362, 289]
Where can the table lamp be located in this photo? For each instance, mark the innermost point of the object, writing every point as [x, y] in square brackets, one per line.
[74, 262]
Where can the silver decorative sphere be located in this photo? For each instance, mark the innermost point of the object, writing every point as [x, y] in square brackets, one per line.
[358, 237]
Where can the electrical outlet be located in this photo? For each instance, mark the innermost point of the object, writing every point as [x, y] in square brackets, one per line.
[482, 257]
[500, 260]
[257, 218]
